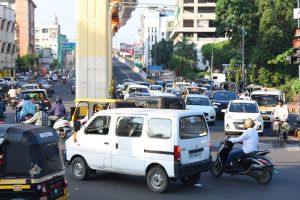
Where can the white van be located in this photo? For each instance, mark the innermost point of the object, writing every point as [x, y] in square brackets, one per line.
[158, 144]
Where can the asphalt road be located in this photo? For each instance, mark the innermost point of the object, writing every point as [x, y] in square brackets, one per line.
[285, 182]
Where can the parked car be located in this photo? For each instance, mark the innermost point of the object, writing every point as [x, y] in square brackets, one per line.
[221, 99]
[237, 112]
[201, 103]
[161, 145]
[38, 96]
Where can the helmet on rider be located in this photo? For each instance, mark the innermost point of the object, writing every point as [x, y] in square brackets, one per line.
[26, 97]
[58, 100]
[249, 123]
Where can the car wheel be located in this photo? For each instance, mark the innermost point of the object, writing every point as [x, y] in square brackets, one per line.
[79, 169]
[157, 180]
[191, 180]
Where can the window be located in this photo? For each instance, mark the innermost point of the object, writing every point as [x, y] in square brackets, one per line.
[155, 29]
[206, 10]
[3, 23]
[159, 128]
[44, 30]
[188, 1]
[188, 23]
[151, 38]
[189, 10]
[148, 29]
[152, 29]
[163, 34]
[129, 126]
[206, 1]
[7, 26]
[99, 126]
[155, 38]
[192, 127]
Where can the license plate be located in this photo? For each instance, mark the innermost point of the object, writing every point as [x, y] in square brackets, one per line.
[17, 188]
[197, 153]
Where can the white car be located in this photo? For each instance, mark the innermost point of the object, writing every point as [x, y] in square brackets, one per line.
[201, 103]
[156, 90]
[30, 87]
[161, 145]
[237, 112]
[134, 88]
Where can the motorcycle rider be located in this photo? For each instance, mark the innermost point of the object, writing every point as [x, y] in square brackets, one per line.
[57, 111]
[40, 118]
[27, 107]
[12, 93]
[2, 108]
[249, 139]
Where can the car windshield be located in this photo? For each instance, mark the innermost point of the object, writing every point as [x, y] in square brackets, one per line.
[34, 95]
[266, 99]
[192, 127]
[158, 88]
[243, 108]
[197, 101]
[225, 96]
[137, 89]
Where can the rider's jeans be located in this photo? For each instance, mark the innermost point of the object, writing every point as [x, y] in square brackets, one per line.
[234, 154]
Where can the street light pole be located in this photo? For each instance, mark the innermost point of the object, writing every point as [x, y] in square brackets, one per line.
[243, 57]
[212, 62]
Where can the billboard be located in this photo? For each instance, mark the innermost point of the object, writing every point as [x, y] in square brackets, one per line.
[138, 49]
[126, 49]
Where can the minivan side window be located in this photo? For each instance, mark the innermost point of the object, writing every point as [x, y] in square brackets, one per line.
[159, 128]
[100, 126]
[192, 127]
[129, 126]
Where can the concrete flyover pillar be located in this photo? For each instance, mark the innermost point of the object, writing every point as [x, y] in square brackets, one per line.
[92, 49]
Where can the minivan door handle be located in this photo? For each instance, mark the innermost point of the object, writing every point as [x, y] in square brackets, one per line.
[106, 143]
[117, 145]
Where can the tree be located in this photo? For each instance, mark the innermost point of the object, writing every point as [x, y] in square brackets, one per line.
[161, 52]
[184, 57]
[27, 62]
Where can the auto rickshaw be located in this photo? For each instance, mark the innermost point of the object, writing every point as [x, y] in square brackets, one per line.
[31, 163]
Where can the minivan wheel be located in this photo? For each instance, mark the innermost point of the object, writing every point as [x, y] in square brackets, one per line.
[191, 180]
[79, 169]
[157, 180]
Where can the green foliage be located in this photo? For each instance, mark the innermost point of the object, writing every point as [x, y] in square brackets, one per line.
[234, 71]
[27, 62]
[184, 58]
[281, 58]
[161, 52]
[296, 86]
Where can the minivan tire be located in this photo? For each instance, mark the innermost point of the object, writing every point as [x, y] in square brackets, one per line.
[157, 180]
[79, 169]
[191, 180]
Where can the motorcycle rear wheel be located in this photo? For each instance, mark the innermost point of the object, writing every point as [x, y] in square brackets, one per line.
[216, 169]
[264, 177]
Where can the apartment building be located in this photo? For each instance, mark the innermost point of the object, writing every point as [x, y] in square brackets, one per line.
[7, 41]
[195, 19]
[156, 25]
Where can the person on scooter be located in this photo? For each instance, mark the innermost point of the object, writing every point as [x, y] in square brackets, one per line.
[249, 139]
[27, 107]
[281, 112]
[40, 118]
[2, 108]
[57, 111]
[12, 93]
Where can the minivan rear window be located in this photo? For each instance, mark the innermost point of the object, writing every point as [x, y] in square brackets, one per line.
[192, 127]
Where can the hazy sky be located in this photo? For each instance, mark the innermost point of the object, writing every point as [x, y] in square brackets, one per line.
[65, 11]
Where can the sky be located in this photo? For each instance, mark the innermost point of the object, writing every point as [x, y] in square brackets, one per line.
[65, 11]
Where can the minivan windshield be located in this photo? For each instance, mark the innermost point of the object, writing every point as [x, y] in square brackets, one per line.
[243, 108]
[265, 99]
[192, 127]
[197, 101]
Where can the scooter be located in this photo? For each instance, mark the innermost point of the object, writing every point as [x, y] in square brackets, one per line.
[254, 164]
[62, 127]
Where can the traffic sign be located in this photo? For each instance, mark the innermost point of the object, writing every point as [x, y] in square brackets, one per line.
[296, 13]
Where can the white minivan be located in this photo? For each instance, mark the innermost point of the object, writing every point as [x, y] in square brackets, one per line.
[159, 144]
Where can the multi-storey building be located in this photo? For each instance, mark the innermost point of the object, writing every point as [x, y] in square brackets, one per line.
[25, 26]
[195, 19]
[47, 37]
[156, 25]
[7, 41]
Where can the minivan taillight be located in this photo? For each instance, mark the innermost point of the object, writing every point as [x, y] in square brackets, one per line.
[177, 153]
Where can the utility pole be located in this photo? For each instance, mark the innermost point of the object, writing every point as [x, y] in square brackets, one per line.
[212, 61]
[243, 57]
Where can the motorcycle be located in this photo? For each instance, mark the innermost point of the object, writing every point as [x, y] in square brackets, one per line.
[254, 164]
[62, 127]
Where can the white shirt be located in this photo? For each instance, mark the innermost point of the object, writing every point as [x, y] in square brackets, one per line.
[281, 113]
[249, 139]
[12, 93]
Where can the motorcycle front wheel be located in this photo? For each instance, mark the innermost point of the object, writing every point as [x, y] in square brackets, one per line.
[216, 169]
[264, 176]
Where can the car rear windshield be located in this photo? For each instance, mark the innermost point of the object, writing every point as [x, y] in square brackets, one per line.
[192, 127]
[197, 101]
[265, 99]
[243, 108]
[142, 90]
[159, 88]
[34, 94]
[225, 96]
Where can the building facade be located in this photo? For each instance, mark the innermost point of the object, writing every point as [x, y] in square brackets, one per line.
[156, 25]
[25, 37]
[195, 19]
[7, 41]
[47, 37]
